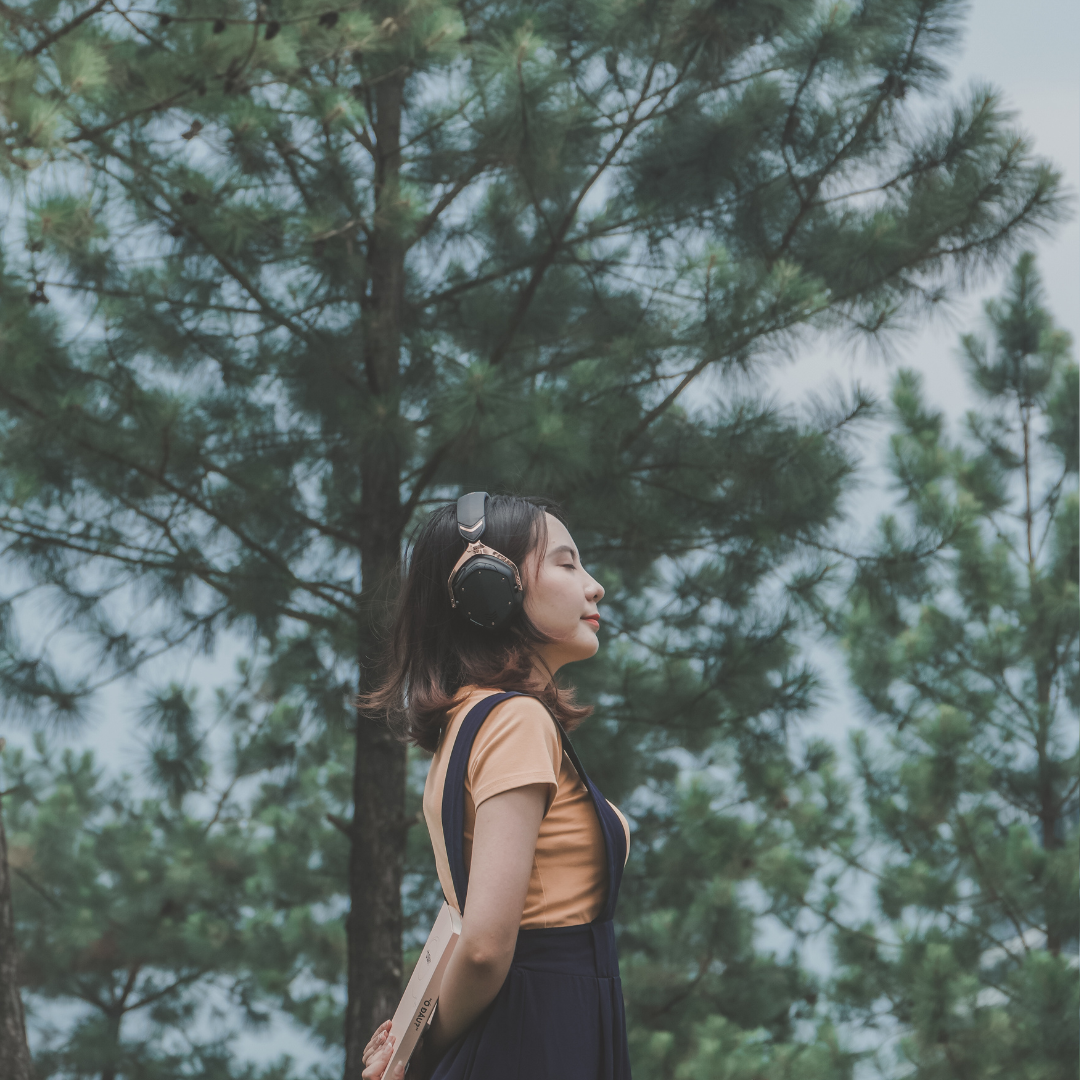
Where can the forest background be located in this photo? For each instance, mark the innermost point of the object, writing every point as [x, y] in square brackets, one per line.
[795, 906]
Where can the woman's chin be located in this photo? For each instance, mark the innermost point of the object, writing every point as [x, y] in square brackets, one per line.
[589, 645]
[581, 646]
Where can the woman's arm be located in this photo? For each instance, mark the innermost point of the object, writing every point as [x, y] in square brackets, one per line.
[504, 843]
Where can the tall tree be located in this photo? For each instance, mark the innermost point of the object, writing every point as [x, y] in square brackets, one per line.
[963, 636]
[14, 1052]
[335, 264]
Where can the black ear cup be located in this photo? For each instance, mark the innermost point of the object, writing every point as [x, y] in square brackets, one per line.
[484, 586]
[486, 592]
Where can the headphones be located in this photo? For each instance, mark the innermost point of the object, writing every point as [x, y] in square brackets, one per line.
[484, 586]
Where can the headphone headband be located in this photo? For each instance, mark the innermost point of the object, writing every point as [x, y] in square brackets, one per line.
[472, 515]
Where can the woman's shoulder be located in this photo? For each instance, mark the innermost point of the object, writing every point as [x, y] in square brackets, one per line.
[522, 707]
[517, 744]
[520, 726]
[521, 711]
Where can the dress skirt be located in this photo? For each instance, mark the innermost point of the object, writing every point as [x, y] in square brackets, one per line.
[558, 1016]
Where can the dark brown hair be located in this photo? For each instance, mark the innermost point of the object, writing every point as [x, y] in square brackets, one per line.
[432, 652]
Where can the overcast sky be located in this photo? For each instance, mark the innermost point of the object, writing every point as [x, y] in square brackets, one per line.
[1029, 52]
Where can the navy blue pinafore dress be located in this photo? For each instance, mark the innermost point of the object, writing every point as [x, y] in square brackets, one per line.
[559, 1014]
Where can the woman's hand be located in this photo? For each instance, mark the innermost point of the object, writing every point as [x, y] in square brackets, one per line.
[377, 1055]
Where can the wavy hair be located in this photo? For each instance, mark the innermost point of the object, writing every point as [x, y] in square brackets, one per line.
[431, 652]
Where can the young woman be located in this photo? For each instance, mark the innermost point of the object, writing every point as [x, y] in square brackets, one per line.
[494, 602]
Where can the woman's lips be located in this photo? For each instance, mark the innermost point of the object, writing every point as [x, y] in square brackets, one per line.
[594, 619]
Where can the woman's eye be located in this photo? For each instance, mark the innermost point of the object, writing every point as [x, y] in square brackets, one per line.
[570, 565]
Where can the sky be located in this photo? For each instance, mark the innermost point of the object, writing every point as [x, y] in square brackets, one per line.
[1030, 53]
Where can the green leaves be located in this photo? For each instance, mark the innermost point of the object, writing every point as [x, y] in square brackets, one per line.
[970, 664]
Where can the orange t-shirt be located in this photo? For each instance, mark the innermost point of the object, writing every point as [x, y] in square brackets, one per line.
[519, 744]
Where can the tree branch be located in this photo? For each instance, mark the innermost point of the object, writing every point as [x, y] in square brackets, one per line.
[57, 34]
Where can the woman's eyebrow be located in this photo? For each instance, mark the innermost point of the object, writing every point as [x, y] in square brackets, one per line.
[561, 548]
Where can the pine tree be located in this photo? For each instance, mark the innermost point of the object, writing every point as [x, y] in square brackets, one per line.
[336, 265]
[146, 906]
[963, 637]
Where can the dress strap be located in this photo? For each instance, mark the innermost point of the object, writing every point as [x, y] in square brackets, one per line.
[453, 803]
[610, 826]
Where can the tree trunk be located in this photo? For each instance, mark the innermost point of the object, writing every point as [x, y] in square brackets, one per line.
[1050, 803]
[108, 1069]
[378, 841]
[15, 1063]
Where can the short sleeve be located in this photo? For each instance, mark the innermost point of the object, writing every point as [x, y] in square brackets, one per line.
[517, 744]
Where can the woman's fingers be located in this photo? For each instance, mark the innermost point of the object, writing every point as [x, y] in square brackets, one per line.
[377, 1055]
[380, 1058]
[382, 1032]
[369, 1050]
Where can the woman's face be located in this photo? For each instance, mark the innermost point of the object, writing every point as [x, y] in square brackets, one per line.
[561, 598]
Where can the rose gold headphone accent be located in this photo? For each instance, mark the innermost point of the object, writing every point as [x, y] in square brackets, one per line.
[476, 548]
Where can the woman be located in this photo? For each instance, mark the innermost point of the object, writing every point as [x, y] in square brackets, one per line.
[494, 602]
